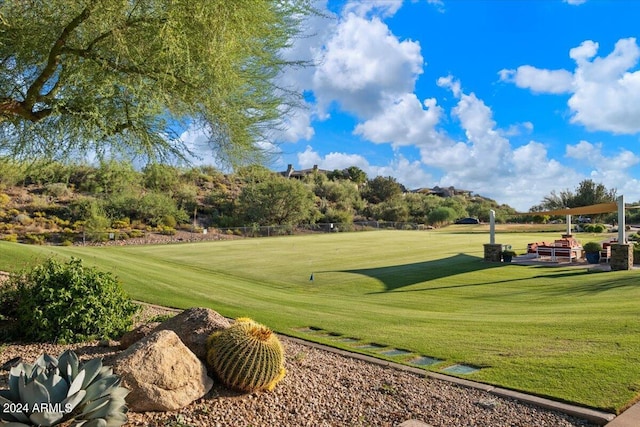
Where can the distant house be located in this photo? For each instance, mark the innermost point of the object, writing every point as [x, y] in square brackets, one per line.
[292, 173]
[443, 192]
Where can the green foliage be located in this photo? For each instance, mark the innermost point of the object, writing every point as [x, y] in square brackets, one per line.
[117, 77]
[167, 231]
[441, 215]
[11, 172]
[10, 238]
[594, 228]
[115, 191]
[356, 175]
[35, 238]
[70, 303]
[153, 207]
[159, 318]
[57, 189]
[587, 193]
[97, 223]
[160, 177]
[381, 189]
[247, 356]
[394, 209]
[592, 247]
[110, 177]
[276, 201]
[62, 391]
[336, 216]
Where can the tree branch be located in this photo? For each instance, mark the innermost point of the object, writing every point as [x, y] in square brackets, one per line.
[53, 60]
[9, 107]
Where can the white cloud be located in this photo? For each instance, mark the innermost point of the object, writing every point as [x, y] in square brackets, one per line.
[535, 176]
[518, 129]
[406, 121]
[539, 80]
[585, 51]
[297, 125]
[605, 91]
[575, 2]
[382, 8]
[487, 164]
[449, 82]
[478, 161]
[611, 171]
[364, 66]
[368, 72]
[592, 155]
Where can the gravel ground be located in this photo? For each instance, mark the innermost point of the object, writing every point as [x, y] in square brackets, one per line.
[326, 389]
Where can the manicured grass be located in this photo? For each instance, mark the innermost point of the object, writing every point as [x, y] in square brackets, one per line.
[561, 332]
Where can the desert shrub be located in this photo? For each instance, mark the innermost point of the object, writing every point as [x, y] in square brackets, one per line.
[35, 238]
[57, 189]
[70, 303]
[23, 219]
[135, 233]
[60, 222]
[594, 228]
[4, 199]
[167, 231]
[13, 238]
[169, 221]
[8, 299]
[121, 223]
[161, 318]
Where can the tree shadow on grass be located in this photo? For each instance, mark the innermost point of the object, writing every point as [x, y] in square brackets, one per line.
[399, 276]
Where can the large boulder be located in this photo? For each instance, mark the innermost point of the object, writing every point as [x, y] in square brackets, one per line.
[135, 335]
[162, 373]
[194, 326]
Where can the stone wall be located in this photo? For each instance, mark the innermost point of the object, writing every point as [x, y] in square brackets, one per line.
[492, 252]
[622, 256]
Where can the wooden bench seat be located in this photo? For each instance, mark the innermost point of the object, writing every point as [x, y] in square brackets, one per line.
[554, 253]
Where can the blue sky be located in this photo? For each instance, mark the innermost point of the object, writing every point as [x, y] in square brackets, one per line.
[510, 99]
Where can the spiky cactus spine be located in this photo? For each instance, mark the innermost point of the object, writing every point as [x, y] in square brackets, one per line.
[247, 356]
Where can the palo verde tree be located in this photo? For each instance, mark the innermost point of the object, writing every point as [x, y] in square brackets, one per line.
[276, 200]
[129, 76]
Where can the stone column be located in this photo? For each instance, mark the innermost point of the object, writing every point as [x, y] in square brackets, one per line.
[492, 252]
[621, 256]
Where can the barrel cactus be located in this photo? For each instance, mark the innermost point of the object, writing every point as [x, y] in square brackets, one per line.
[62, 391]
[247, 356]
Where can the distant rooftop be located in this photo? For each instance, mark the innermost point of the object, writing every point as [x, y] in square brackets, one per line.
[292, 173]
[443, 192]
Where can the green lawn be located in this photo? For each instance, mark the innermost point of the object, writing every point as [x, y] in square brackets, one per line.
[564, 333]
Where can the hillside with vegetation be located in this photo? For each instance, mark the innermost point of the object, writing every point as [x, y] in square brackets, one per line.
[64, 203]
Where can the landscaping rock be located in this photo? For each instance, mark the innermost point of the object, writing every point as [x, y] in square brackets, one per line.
[135, 335]
[194, 326]
[162, 373]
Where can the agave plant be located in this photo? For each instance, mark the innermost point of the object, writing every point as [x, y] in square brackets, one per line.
[60, 390]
